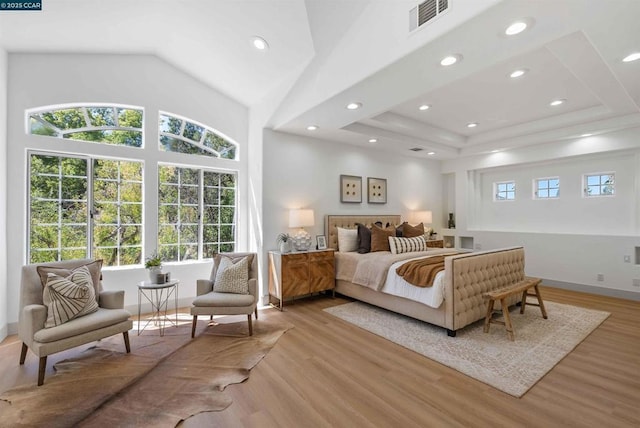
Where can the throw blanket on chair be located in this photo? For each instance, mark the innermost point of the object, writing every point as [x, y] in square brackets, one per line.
[422, 272]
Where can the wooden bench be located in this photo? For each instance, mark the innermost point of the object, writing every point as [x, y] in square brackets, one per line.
[503, 293]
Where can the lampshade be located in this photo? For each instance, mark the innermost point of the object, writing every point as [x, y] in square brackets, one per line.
[424, 217]
[301, 218]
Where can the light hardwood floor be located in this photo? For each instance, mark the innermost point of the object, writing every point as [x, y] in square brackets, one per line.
[328, 373]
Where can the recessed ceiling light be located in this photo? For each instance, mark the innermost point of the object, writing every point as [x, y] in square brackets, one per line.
[431, 153]
[634, 56]
[516, 28]
[354, 106]
[518, 73]
[424, 107]
[586, 135]
[557, 102]
[373, 140]
[450, 60]
[312, 127]
[259, 43]
[495, 151]
[472, 125]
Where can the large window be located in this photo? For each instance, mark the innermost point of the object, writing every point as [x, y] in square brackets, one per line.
[82, 207]
[196, 213]
[178, 134]
[599, 184]
[119, 125]
[504, 191]
[546, 188]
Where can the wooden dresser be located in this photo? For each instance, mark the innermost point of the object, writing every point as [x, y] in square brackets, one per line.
[435, 243]
[299, 273]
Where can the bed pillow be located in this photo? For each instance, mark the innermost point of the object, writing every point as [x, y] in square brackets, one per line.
[68, 298]
[94, 267]
[409, 231]
[364, 238]
[380, 238]
[407, 245]
[347, 240]
[232, 276]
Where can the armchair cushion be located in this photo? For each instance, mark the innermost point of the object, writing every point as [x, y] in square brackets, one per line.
[70, 297]
[95, 268]
[214, 299]
[77, 326]
[232, 276]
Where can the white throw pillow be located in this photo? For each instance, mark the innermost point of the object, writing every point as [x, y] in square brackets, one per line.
[232, 278]
[407, 245]
[347, 240]
[69, 298]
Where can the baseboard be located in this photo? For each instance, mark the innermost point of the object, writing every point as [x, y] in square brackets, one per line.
[4, 332]
[145, 307]
[601, 291]
[12, 328]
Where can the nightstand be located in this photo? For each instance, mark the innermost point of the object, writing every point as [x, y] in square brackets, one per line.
[435, 243]
[300, 273]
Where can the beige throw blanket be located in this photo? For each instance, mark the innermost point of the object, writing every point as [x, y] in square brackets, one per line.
[370, 270]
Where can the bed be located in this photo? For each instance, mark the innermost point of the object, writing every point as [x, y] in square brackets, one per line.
[465, 279]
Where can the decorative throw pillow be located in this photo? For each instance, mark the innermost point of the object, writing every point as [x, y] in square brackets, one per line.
[94, 267]
[409, 231]
[347, 240]
[68, 298]
[232, 277]
[407, 245]
[364, 238]
[380, 238]
[399, 229]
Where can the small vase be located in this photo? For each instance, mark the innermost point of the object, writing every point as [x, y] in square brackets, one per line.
[452, 223]
[284, 247]
[153, 272]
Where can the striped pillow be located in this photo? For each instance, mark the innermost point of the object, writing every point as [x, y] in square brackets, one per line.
[407, 245]
[69, 298]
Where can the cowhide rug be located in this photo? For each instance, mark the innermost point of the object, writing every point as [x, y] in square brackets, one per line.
[163, 381]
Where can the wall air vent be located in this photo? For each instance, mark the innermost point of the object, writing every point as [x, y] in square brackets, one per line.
[425, 12]
[417, 149]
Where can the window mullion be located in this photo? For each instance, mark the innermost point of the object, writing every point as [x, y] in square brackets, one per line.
[90, 207]
[201, 213]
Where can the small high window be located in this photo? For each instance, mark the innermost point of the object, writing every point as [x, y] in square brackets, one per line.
[178, 134]
[599, 184]
[546, 188]
[119, 125]
[504, 191]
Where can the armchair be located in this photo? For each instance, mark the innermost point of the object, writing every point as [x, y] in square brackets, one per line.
[209, 302]
[110, 318]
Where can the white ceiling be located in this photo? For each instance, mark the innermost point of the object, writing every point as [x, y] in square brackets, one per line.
[331, 52]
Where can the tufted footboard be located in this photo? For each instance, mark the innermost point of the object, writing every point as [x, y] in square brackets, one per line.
[469, 276]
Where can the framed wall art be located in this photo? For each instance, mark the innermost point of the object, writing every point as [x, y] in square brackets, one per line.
[377, 190]
[350, 188]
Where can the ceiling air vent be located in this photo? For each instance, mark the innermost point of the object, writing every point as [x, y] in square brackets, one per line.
[425, 12]
[417, 149]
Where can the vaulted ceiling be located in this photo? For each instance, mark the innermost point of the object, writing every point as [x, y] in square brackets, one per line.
[325, 54]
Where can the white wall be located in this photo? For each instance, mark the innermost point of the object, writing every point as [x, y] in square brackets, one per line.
[304, 172]
[568, 241]
[4, 303]
[571, 213]
[140, 80]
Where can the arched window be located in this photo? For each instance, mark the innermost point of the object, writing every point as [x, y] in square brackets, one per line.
[182, 135]
[109, 124]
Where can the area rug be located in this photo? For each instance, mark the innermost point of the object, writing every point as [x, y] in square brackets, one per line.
[163, 381]
[512, 367]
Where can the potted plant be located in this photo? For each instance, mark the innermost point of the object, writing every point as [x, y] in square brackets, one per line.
[284, 243]
[154, 264]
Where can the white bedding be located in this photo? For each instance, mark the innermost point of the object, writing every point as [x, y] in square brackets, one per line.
[396, 285]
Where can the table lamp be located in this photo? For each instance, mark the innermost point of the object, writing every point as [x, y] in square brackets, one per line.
[301, 219]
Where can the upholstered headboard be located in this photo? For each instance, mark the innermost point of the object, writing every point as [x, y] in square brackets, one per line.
[349, 222]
